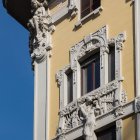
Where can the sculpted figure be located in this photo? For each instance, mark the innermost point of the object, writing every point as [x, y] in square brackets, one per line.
[88, 113]
[38, 23]
[75, 119]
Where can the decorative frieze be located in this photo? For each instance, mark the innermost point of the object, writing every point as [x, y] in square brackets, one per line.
[137, 104]
[118, 111]
[98, 102]
[72, 8]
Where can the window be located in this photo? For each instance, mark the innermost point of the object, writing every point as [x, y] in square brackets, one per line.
[111, 64]
[107, 134]
[69, 86]
[90, 73]
[88, 6]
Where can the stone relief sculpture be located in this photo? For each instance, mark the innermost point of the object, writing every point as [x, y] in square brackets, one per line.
[87, 110]
[38, 27]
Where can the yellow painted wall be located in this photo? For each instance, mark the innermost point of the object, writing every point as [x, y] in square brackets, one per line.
[57, 5]
[129, 128]
[117, 15]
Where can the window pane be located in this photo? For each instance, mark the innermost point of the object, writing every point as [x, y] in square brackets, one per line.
[97, 73]
[90, 74]
[70, 87]
[85, 8]
[111, 64]
[107, 134]
[85, 12]
[85, 4]
[96, 4]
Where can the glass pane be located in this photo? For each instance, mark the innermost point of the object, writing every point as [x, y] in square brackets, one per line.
[90, 76]
[97, 73]
[85, 4]
[85, 12]
[85, 8]
[84, 82]
[96, 4]
[111, 64]
[90, 73]
[70, 87]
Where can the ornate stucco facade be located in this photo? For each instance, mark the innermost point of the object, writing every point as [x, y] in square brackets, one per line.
[60, 40]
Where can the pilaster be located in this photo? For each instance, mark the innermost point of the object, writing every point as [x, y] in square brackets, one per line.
[137, 58]
[41, 27]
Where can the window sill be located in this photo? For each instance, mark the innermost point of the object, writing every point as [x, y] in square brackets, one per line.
[96, 11]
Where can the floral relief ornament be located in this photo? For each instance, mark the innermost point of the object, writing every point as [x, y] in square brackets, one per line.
[137, 104]
[119, 40]
[38, 27]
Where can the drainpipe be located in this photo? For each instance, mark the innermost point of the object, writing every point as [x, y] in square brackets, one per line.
[137, 59]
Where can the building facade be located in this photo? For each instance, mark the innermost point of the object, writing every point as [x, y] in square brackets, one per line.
[86, 62]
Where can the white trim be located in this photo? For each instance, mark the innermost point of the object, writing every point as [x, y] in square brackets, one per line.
[96, 11]
[119, 125]
[48, 95]
[71, 9]
[40, 106]
[137, 59]
[137, 45]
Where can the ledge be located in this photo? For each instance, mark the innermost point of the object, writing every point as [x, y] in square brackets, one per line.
[96, 11]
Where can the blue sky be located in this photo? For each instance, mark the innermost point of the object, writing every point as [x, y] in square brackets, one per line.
[16, 81]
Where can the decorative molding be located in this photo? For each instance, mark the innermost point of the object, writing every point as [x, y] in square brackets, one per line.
[59, 77]
[106, 119]
[62, 137]
[118, 111]
[72, 8]
[96, 11]
[88, 44]
[119, 41]
[39, 27]
[137, 104]
[60, 74]
[119, 124]
[111, 41]
[99, 102]
[123, 97]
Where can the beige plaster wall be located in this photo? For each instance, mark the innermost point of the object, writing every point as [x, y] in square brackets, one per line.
[129, 128]
[118, 15]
